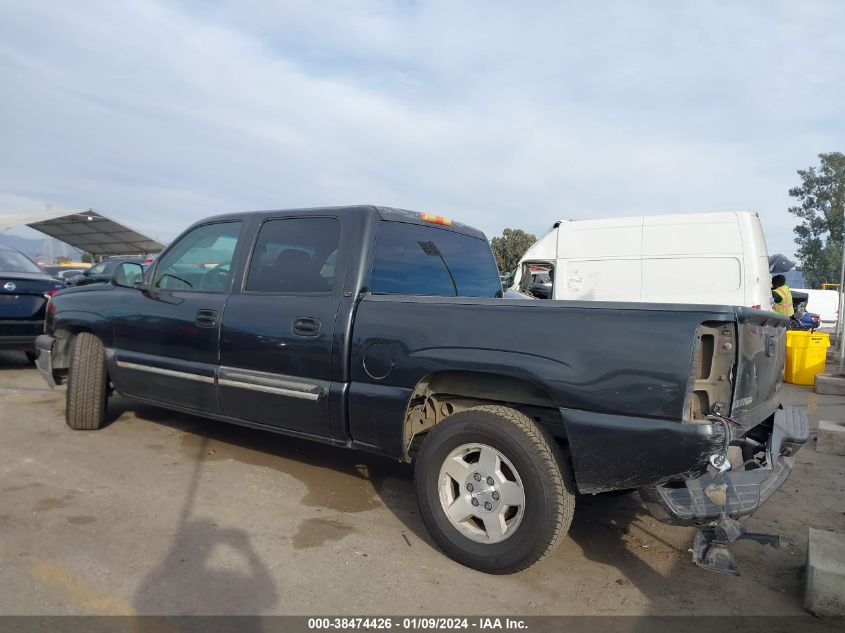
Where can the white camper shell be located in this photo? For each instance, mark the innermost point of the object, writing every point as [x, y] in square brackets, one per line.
[696, 258]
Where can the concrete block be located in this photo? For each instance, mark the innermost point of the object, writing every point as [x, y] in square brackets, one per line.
[830, 384]
[831, 438]
[824, 592]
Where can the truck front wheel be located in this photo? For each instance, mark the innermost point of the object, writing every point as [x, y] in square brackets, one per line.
[86, 384]
[494, 489]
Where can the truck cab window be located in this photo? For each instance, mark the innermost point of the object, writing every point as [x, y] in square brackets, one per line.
[422, 260]
[295, 255]
[200, 261]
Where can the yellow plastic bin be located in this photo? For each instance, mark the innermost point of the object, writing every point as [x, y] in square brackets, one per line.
[805, 356]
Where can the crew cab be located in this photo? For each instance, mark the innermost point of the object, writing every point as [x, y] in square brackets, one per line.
[385, 330]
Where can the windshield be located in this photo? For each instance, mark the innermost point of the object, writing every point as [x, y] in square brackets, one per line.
[14, 262]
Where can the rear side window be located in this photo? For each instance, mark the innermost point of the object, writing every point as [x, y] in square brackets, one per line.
[421, 260]
[295, 255]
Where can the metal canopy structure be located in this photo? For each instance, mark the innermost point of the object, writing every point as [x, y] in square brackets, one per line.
[88, 231]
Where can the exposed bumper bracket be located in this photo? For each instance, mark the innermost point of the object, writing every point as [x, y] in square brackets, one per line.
[713, 495]
[710, 547]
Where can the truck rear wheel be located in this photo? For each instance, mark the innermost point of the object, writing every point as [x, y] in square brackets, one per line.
[86, 384]
[494, 489]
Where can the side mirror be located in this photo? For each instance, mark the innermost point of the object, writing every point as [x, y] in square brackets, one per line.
[127, 274]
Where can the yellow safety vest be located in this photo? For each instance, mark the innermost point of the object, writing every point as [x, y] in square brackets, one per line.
[785, 307]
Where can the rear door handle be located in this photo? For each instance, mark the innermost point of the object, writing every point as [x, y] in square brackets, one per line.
[306, 326]
[206, 318]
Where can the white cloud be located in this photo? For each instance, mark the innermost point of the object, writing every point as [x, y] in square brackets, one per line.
[498, 114]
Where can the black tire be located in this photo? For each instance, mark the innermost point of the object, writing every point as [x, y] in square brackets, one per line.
[546, 481]
[86, 384]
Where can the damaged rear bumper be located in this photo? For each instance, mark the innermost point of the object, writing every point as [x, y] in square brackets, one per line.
[743, 491]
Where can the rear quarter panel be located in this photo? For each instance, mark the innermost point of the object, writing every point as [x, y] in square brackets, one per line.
[618, 359]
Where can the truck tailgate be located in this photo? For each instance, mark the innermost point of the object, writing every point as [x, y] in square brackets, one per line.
[759, 370]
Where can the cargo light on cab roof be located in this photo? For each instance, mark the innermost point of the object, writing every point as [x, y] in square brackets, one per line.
[435, 219]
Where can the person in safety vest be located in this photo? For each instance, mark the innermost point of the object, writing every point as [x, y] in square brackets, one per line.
[781, 296]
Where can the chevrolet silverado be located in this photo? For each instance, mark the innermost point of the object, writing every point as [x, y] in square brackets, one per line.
[385, 330]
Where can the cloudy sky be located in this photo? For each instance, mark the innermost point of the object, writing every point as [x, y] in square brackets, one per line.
[497, 114]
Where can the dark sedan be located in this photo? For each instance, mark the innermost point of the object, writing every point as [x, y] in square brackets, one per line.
[63, 273]
[24, 290]
[102, 272]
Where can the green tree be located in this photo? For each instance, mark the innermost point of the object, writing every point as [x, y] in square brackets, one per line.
[821, 208]
[510, 248]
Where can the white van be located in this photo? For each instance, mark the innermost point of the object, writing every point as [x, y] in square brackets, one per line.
[704, 258]
[825, 303]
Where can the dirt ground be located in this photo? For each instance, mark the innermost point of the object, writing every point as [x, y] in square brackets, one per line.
[170, 514]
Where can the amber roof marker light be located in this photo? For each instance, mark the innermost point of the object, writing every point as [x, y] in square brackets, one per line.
[436, 219]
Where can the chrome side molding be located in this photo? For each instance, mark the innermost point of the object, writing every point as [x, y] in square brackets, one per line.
[165, 372]
[266, 382]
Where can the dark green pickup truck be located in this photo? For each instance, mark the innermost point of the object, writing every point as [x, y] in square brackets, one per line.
[385, 330]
